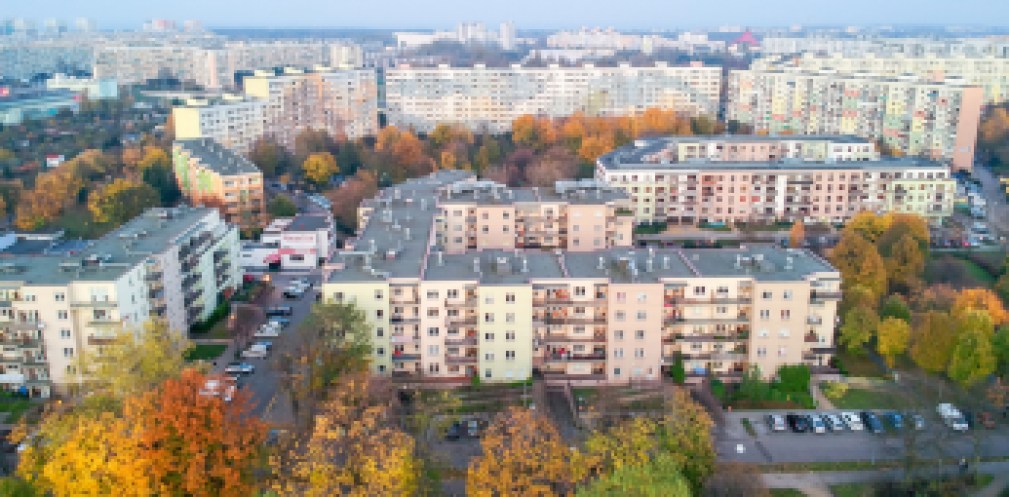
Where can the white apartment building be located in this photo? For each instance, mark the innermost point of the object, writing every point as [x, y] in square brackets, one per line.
[489, 98]
[169, 264]
[340, 102]
[915, 117]
[94, 89]
[233, 121]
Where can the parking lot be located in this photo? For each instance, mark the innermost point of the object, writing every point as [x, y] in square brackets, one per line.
[934, 441]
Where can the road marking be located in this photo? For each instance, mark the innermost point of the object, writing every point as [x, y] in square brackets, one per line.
[269, 406]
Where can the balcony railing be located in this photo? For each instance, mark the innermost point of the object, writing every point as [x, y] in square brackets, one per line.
[404, 338]
[471, 340]
[597, 337]
[820, 297]
[101, 339]
[737, 319]
[405, 357]
[404, 319]
[459, 359]
[574, 357]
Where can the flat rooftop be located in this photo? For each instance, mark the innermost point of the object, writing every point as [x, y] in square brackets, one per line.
[217, 157]
[484, 192]
[633, 160]
[308, 222]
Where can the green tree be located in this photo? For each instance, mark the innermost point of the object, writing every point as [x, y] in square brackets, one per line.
[685, 434]
[282, 206]
[892, 337]
[973, 356]
[933, 340]
[659, 477]
[137, 360]
[858, 327]
[1000, 347]
[121, 200]
[162, 178]
[794, 378]
[895, 307]
[271, 158]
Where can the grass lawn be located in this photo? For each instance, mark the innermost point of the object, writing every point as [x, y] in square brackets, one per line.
[205, 352]
[14, 406]
[786, 492]
[864, 398]
[852, 490]
[220, 330]
[859, 365]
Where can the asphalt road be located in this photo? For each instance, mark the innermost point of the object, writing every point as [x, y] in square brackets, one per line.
[936, 441]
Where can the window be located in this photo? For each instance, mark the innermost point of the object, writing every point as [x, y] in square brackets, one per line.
[580, 291]
[765, 314]
[763, 334]
[433, 331]
[616, 371]
[378, 294]
[700, 290]
[783, 333]
[766, 295]
[488, 337]
[61, 314]
[453, 294]
[487, 373]
[510, 355]
[338, 297]
[509, 317]
[488, 317]
[488, 300]
[432, 350]
[510, 336]
[639, 353]
[619, 334]
[787, 295]
[621, 297]
[618, 353]
[64, 333]
[59, 296]
[432, 294]
[642, 298]
[380, 351]
[379, 313]
[721, 310]
[71, 369]
[68, 352]
[296, 258]
[642, 315]
[639, 334]
[434, 367]
[489, 356]
[380, 332]
[782, 352]
[432, 312]
[786, 314]
[381, 368]
[510, 298]
[620, 316]
[761, 351]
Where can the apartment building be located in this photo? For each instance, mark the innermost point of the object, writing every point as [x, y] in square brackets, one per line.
[169, 264]
[573, 215]
[234, 121]
[211, 175]
[991, 73]
[94, 89]
[19, 106]
[490, 98]
[132, 64]
[914, 117]
[732, 179]
[606, 316]
[340, 102]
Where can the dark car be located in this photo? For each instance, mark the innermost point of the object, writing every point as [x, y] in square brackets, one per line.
[279, 310]
[798, 424]
[968, 417]
[872, 422]
[454, 431]
[283, 322]
[895, 419]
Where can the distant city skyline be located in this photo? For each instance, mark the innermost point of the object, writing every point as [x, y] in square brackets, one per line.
[528, 14]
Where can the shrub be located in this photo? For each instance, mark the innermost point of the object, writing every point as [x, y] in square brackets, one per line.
[834, 389]
[794, 379]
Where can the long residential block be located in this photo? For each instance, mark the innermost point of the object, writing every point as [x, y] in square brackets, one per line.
[752, 178]
[611, 314]
[490, 98]
[912, 116]
[168, 264]
[210, 175]
[233, 121]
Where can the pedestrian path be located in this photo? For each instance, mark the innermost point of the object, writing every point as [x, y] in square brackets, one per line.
[814, 483]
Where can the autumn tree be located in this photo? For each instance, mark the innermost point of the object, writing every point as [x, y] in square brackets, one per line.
[892, 337]
[350, 194]
[53, 193]
[981, 299]
[895, 307]
[797, 235]
[932, 341]
[867, 225]
[1000, 348]
[685, 434]
[860, 264]
[196, 444]
[404, 152]
[657, 477]
[735, 479]
[857, 328]
[320, 167]
[521, 454]
[137, 360]
[533, 132]
[154, 156]
[553, 165]
[312, 141]
[270, 157]
[281, 206]
[354, 447]
[905, 264]
[121, 200]
[973, 357]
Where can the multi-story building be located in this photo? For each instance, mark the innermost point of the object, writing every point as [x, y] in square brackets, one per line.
[574, 215]
[130, 64]
[915, 117]
[745, 178]
[340, 102]
[169, 264]
[94, 89]
[233, 121]
[211, 175]
[302, 242]
[988, 72]
[490, 98]
[18, 106]
[609, 315]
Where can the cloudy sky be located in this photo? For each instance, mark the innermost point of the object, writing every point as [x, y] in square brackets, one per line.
[624, 14]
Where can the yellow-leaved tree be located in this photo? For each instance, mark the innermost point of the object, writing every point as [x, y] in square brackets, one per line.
[319, 167]
[892, 336]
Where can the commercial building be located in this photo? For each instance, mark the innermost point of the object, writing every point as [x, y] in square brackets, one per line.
[988, 72]
[305, 241]
[211, 175]
[235, 122]
[490, 98]
[94, 89]
[609, 315]
[914, 117]
[729, 179]
[340, 102]
[17, 106]
[169, 264]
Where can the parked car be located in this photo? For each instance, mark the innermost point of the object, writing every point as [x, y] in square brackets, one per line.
[852, 421]
[872, 422]
[279, 321]
[952, 417]
[279, 310]
[218, 388]
[473, 428]
[268, 345]
[816, 423]
[255, 351]
[968, 417]
[293, 293]
[454, 431]
[267, 332]
[797, 423]
[239, 368]
[895, 420]
[917, 421]
[834, 422]
[776, 422]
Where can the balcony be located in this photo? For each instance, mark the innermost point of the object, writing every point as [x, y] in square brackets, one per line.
[814, 320]
[20, 341]
[394, 338]
[469, 302]
[462, 320]
[468, 340]
[405, 299]
[101, 339]
[405, 319]
[557, 338]
[680, 320]
[561, 376]
[461, 359]
[104, 321]
[822, 297]
[575, 357]
[573, 320]
[103, 304]
[401, 357]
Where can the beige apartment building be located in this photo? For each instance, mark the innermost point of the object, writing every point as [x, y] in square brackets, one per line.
[936, 120]
[742, 178]
[573, 215]
[607, 315]
[234, 121]
[340, 102]
[211, 175]
[490, 98]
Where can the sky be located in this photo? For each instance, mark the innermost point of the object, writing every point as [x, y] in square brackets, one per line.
[528, 14]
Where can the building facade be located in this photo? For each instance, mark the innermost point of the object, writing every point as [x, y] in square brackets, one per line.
[914, 117]
[489, 98]
[739, 179]
[167, 264]
[233, 121]
[20, 106]
[605, 316]
[302, 242]
[340, 102]
[211, 175]
[94, 89]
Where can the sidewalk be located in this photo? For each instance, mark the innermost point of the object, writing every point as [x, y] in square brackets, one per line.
[822, 402]
[815, 483]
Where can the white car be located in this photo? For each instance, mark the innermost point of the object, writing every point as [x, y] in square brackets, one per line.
[267, 332]
[256, 351]
[218, 388]
[852, 421]
[834, 422]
